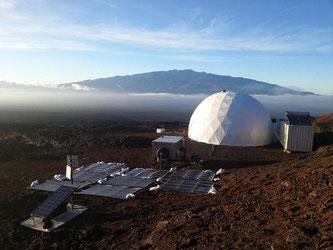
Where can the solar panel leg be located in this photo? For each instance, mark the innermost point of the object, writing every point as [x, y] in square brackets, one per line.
[33, 220]
[70, 204]
[213, 151]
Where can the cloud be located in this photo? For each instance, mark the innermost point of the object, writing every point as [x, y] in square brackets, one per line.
[80, 87]
[315, 104]
[195, 58]
[26, 85]
[74, 87]
[324, 48]
[157, 102]
[25, 43]
[205, 40]
[169, 96]
[7, 4]
[29, 30]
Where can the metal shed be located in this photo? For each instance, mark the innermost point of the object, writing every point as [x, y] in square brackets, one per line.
[169, 147]
[296, 132]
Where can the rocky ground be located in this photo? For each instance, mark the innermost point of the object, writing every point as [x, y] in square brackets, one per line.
[266, 199]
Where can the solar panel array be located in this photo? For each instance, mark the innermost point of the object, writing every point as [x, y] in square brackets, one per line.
[95, 172]
[129, 181]
[107, 191]
[194, 174]
[147, 173]
[53, 202]
[53, 185]
[187, 186]
[120, 186]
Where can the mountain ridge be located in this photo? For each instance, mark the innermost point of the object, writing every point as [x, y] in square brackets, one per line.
[186, 82]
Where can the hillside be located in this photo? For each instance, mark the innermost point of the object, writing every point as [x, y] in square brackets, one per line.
[324, 123]
[182, 82]
[266, 199]
[325, 118]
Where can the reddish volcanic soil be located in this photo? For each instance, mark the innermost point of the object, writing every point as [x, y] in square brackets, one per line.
[325, 118]
[324, 123]
[266, 199]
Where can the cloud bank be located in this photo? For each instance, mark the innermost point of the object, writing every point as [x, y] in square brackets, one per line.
[150, 102]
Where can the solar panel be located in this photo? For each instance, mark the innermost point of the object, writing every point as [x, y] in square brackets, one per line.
[207, 175]
[129, 181]
[107, 191]
[135, 172]
[203, 187]
[103, 168]
[172, 184]
[53, 185]
[159, 173]
[147, 173]
[186, 174]
[302, 121]
[194, 174]
[187, 186]
[87, 176]
[53, 202]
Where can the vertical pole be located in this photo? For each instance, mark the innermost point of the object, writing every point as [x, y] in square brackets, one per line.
[71, 165]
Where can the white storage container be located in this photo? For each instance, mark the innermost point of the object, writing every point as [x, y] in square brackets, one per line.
[297, 132]
[298, 138]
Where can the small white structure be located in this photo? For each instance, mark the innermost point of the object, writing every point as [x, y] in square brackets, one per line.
[72, 163]
[169, 147]
[296, 132]
[229, 118]
[160, 130]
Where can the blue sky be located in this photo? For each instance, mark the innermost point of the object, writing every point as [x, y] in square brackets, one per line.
[289, 43]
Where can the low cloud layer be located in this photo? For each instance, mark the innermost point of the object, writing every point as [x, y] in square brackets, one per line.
[315, 104]
[151, 102]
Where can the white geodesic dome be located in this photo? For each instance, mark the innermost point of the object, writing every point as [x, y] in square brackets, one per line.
[233, 119]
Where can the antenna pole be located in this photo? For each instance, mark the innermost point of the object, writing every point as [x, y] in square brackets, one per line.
[71, 161]
[70, 164]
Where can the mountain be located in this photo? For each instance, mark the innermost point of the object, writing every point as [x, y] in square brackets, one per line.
[181, 82]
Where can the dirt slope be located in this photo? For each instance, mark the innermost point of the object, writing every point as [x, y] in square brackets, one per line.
[266, 200]
[324, 123]
[325, 118]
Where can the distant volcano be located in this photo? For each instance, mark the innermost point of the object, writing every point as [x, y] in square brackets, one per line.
[186, 82]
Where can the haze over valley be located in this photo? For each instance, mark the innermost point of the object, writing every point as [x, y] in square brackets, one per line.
[167, 95]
